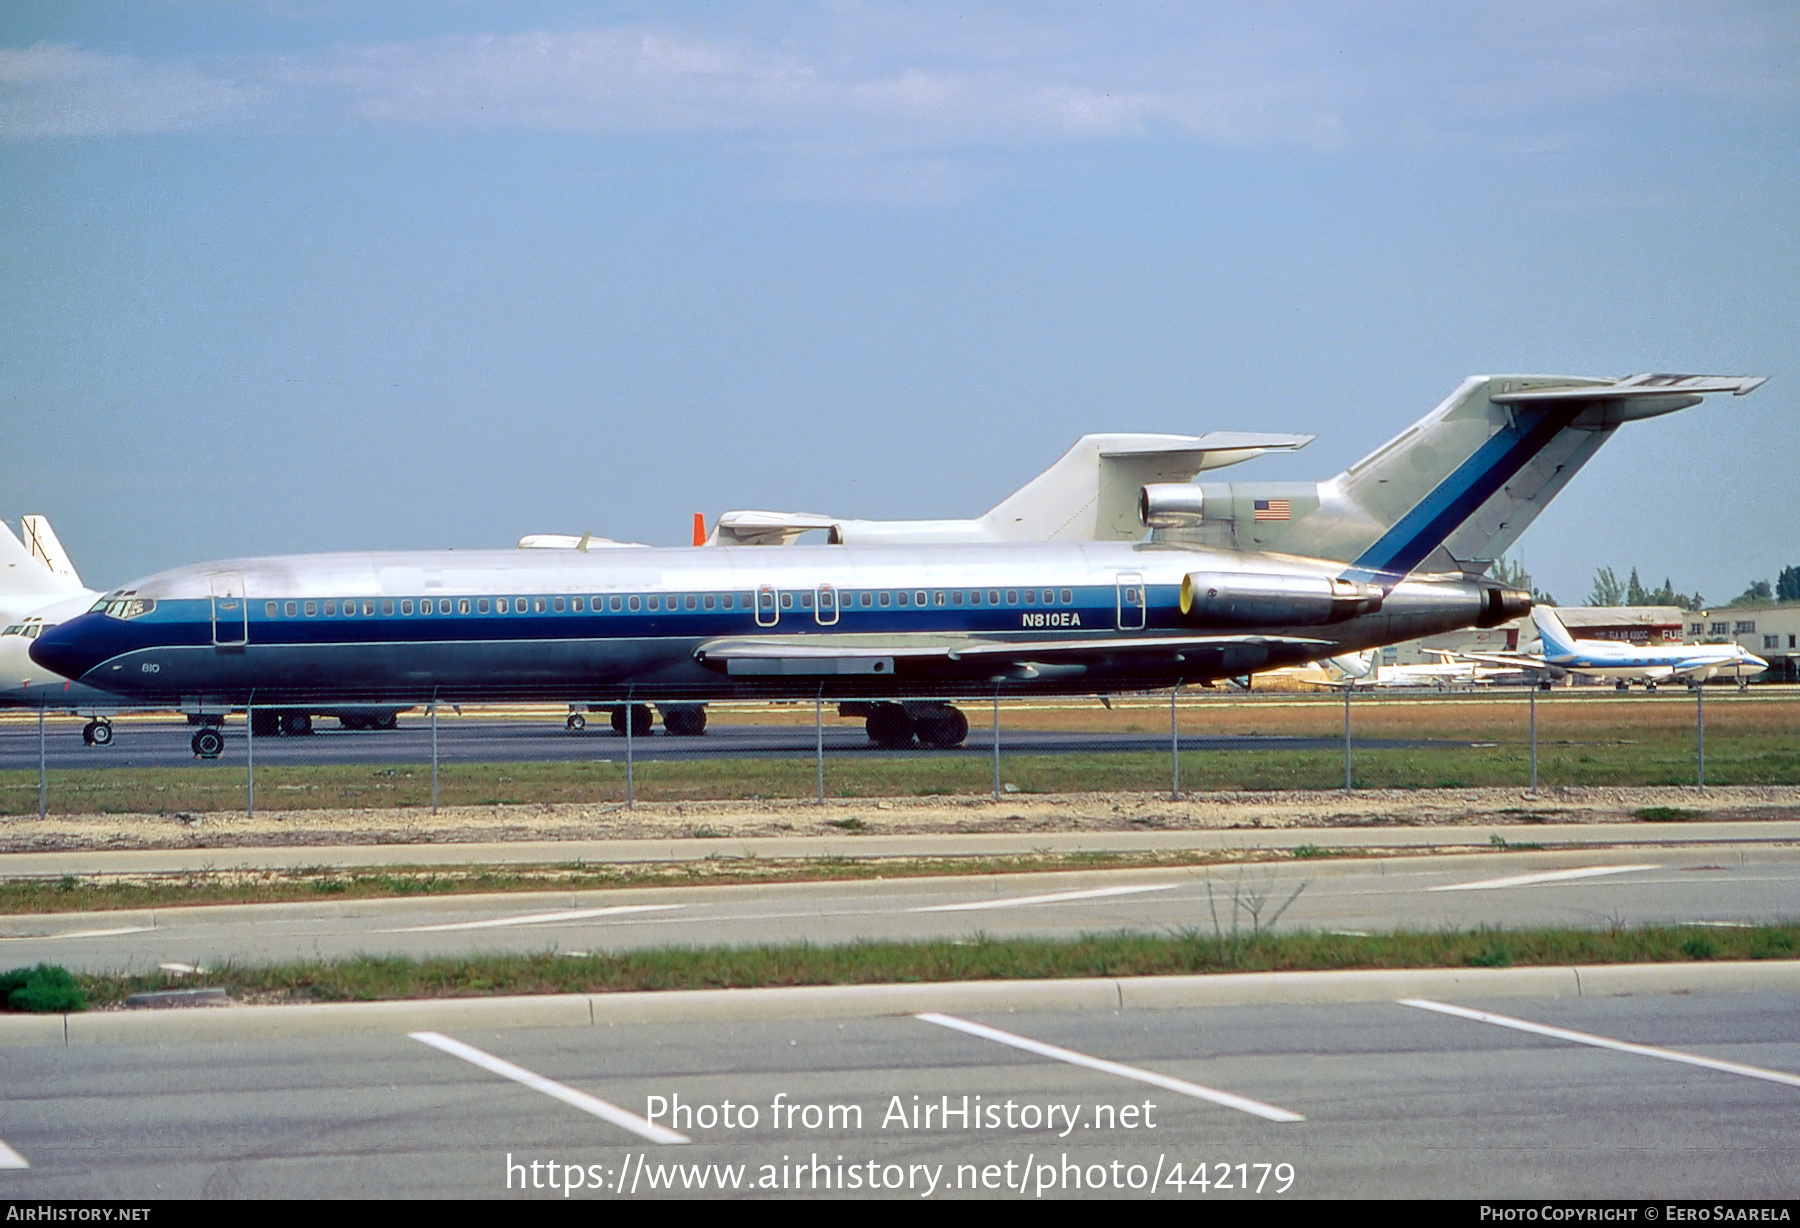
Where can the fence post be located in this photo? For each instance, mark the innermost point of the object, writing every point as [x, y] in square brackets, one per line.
[630, 764]
[43, 788]
[250, 756]
[819, 737]
[1534, 691]
[996, 743]
[1700, 729]
[1174, 748]
[434, 756]
[1347, 689]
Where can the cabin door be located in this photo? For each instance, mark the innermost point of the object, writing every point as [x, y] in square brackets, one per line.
[767, 612]
[230, 611]
[1130, 588]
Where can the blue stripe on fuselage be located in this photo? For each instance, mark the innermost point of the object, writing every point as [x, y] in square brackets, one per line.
[1454, 500]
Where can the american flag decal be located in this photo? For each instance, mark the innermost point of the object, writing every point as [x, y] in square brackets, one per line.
[1272, 509]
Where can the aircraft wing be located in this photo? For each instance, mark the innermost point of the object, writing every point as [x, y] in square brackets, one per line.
[962, 657]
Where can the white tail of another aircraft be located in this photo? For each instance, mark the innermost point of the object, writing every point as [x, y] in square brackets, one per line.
[1089, 494]
[33, 572]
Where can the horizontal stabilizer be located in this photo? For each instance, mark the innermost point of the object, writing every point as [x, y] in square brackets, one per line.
[1635, 387]
[568, 541]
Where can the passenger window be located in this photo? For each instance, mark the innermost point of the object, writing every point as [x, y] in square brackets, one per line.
[312, 608]
[293, 608]
[690, 601]
[1049, 597]
[499, 605]
[406, 607]
[349, 609]
[481, 606]
[919, 598]
[330, 608]
[424, 607]
[575, 605]
[956, 597]
[635, 603]
[903, 598]
[560, 605]
[1031, 596]
[867, 601]
[538, 605]
[1068, 598]
[655, 603]
[806, 601]
[993, 596]
[269, 609]
[726, 601]
[462, 605]
[614, 604]
[711, 601]
[387, 609]
[974, 596]
[787, 601]
[882, 598]
[1012, 596]
[368, 609]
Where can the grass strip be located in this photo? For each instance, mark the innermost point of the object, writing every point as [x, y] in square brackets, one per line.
[188, 888]
[370, 979]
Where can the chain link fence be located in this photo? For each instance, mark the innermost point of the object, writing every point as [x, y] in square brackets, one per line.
[1170, 744]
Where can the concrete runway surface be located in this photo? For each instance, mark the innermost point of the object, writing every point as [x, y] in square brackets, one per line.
[1365, 1099]
[1701, 886]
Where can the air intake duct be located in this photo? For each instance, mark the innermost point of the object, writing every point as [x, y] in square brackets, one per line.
[1169, 505]
[1239, 599]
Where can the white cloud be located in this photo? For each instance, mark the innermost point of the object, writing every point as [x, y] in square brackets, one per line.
[909, 92]
[55, 90]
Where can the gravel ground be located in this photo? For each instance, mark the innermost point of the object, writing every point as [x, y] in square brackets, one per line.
[897, 816]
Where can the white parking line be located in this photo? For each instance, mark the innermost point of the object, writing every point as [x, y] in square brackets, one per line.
[1602, 1042]
[550, 1087]
[538, 918]
[129, 929]
[1548, 876]
[10, 1158]
[1230, 1101]
[1058, 897]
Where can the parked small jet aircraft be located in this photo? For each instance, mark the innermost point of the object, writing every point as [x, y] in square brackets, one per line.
[897, 629]
[1561, 654]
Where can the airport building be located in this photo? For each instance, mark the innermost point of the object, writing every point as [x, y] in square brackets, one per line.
[1772, 632]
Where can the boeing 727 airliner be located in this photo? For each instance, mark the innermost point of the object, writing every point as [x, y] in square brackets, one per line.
[1353, 563]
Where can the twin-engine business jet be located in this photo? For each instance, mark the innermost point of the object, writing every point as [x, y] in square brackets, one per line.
[1251, 577]
[1563, 654]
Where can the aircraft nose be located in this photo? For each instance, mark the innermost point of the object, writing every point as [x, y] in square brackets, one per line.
[72, 648]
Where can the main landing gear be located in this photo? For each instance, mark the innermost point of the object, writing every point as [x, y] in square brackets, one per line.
[97, 732]
[679, 720]
[899, 726]
[208, 742]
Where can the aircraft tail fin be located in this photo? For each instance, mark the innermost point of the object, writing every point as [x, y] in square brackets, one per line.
[41, 542]
[1452, 492]
[26, 574]
[1557, 640]
[1358, 667]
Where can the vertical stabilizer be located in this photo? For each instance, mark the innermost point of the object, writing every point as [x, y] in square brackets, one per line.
[1454, 491]
[1557, 640]
[41, 543]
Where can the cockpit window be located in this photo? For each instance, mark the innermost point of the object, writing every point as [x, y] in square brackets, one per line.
[15, 629]
[125, 607]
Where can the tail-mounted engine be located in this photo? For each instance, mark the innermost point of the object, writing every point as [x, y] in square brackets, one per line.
[1240, 599]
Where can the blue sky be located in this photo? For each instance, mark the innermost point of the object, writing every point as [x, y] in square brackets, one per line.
[286, 277]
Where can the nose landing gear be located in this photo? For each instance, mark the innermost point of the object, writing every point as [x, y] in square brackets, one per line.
[97, 732]
[208, 742]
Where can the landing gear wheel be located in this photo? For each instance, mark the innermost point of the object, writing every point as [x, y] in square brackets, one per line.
[684, 720]
[942, 728]
[1649, 686]
[642, 719]
[97, 733]
[1621, 685]
[890, 727]
[296, 724]
[209, 743]
[576, 722]
[387, 720]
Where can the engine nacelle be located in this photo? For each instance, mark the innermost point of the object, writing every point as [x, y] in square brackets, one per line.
[1249, 599]
[1169, 505]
